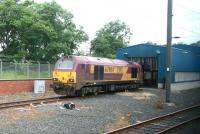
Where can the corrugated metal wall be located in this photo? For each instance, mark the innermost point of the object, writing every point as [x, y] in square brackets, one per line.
[184, 58]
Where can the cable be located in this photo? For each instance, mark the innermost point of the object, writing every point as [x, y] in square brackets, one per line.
[184, 29]
[189, 9]
[191, 36]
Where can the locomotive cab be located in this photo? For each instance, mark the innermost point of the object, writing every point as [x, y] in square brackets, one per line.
[64, 75]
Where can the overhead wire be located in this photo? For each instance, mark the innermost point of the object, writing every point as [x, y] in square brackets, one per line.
[189, 9]
[187, 30]
[192, 12]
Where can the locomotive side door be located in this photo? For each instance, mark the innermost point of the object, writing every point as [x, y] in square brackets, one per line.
[134, 72]
[82, 75]
[98, 72]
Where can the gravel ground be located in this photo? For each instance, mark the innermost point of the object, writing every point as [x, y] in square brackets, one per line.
[94, 114]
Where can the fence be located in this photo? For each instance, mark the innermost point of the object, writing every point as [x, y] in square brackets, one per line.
[29, 70]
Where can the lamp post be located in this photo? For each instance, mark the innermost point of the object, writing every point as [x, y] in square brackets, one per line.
[168, 50]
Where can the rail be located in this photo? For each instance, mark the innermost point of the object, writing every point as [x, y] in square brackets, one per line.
[159, 124]
[32, 101]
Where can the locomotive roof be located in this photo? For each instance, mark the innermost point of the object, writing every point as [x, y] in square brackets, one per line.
[100, 61]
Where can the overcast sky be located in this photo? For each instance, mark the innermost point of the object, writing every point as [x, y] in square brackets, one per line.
[146, 18]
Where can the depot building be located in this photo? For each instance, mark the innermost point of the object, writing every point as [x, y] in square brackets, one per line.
[185, 64]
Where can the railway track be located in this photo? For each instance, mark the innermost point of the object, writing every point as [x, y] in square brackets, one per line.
[162, 124]
[35, 101]
[28, 102]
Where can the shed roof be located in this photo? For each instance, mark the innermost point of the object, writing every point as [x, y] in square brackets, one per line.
[145, 44]
[179, 47]
[193, 49]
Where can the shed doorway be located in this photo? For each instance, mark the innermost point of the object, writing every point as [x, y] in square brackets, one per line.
[150, 70]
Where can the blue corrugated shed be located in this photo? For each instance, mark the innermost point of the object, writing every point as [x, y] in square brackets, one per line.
[184, 58]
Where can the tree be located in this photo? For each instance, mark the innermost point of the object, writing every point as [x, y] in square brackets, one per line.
[196, 44]
[151, 43]
[113, 35]
[37, 32]
[20, 28]
[67, 34]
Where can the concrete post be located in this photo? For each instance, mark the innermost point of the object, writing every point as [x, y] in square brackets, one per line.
[38, 69]
[1, 67]
[168, 51]
[27, 65]
[15, 62]
[49, 69]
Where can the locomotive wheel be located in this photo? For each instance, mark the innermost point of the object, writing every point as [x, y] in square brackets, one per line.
[95, 90]
[80, 93]
[96, 93]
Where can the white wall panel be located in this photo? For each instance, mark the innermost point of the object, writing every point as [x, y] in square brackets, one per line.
[186, 76]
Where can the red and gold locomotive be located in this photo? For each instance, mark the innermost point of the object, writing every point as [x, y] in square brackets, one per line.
[79, 75]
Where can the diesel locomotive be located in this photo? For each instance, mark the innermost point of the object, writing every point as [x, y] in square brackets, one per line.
[79, 75]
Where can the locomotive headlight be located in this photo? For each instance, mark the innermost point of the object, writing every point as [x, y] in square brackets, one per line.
[55, 79]
[71, 79]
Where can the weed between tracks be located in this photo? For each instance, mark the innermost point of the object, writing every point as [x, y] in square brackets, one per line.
[121, 121]
[158, 104]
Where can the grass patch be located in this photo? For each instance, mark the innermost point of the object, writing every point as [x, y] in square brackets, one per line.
[12, 75]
